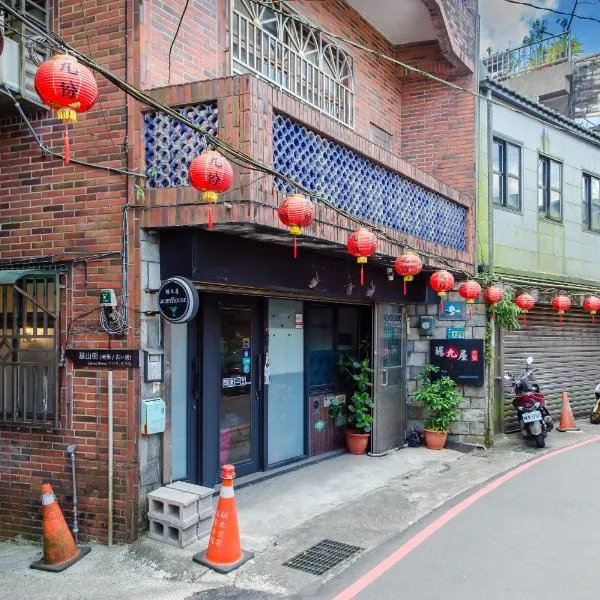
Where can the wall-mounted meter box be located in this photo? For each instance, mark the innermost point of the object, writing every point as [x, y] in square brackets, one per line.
[426, 326]
[153, 416]
[153, 365]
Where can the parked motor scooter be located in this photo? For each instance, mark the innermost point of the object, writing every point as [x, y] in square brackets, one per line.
[595, 416]
[530, 404]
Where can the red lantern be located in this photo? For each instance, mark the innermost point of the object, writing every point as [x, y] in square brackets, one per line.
[469, 290]
[67, 87]
[591, 305]
[561, 304]
[525, 302]
[408, 265]
[441, 282]
[296, 212]
[211, 173]
[492, 296]
[362, 243]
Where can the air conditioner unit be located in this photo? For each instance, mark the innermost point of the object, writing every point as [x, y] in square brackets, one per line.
[10, 65]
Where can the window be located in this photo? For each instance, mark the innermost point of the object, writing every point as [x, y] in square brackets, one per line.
[381, 138]
[293, 57]
[549, 188]
[591, 202]
[28, 361]
[506, 166]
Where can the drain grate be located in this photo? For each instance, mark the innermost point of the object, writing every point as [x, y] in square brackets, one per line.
[321, 557]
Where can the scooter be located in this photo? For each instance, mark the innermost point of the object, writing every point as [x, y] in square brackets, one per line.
[530, 404]
[595, 416]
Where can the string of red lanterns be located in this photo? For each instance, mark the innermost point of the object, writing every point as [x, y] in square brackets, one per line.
[525, 302]
[561, 304]
[470, 291]
[441, 282]
[591, 305]
[67, 87]
[492, 296]
[212, 174]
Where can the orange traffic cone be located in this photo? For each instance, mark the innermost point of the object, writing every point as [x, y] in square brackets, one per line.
[567, 422]
[60, 551]
[224, 552]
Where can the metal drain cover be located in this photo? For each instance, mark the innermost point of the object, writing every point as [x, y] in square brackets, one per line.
[323, 556]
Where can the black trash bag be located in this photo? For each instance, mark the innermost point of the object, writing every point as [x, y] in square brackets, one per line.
[595, 416]
[414, 438]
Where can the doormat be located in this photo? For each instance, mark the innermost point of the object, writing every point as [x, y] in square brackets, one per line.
[321, 557]
[473, 449]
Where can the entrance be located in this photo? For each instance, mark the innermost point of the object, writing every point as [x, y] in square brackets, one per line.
[232, 376]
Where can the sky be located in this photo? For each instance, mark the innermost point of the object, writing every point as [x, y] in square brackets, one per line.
[503, 25]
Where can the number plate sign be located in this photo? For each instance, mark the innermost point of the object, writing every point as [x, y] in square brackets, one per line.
[178, 300]
[534, 415]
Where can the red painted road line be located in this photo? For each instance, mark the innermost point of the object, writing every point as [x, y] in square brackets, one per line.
[368, 578]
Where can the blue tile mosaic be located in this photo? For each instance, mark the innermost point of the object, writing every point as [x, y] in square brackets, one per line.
[363, 188]
[170, 145]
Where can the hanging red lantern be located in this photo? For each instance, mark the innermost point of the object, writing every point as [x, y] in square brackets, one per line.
[525, 302]
[441, 282]
[296, 212]
[408, 265]
[492, 296]
[591, 305]
[362, 243]
[561, 304]
[67, 87]
[210, 173]
[470, 291]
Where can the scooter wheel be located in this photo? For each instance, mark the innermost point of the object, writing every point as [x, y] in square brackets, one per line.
[540, 442]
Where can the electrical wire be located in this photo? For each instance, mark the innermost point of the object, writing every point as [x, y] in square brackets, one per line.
[552, 10]
[187, 3]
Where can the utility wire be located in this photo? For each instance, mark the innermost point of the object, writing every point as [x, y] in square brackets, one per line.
[552, 10]
[187, 3]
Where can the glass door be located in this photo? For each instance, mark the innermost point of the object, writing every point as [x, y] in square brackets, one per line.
[240, 387]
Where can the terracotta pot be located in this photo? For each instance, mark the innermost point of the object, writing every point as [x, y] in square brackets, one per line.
[356, 442]
[435, 440]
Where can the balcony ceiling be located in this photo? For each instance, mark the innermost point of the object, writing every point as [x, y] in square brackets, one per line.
[399, 21]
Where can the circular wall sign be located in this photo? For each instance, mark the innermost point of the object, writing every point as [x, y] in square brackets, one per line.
[178, 300]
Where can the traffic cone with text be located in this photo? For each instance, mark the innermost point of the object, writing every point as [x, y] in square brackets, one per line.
[224, 552]
[567, 422]
[60, 550]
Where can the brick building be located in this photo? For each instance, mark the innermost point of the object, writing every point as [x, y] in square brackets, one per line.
[381, 143]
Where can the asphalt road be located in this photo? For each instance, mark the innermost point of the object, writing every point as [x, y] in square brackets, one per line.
[535, 536]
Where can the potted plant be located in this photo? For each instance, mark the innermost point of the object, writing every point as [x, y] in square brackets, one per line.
[360, 404]
[439, 396]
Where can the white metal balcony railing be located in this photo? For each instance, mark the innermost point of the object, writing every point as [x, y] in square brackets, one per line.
[552, 50]
[293, 58]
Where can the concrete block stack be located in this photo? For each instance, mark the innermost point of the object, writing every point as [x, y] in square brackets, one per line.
[180, 513]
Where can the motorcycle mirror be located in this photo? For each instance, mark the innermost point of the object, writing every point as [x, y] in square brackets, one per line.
[529, 360]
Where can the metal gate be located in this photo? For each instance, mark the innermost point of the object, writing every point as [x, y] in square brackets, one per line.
[566, 359]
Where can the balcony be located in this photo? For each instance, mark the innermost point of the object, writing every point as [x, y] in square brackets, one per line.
[21, 54]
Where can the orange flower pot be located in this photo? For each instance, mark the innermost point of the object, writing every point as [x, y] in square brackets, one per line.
[357, 442]
[435, 440]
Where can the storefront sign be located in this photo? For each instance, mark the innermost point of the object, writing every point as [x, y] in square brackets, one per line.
[455, 333]
[178, 300]
[453, 311]
[233, 382]
[299, 321]
[462, 360]
[119, 359]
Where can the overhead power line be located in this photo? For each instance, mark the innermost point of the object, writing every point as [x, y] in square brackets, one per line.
[553, 10]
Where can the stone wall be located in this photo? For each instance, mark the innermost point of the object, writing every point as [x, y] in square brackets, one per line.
[473, 422]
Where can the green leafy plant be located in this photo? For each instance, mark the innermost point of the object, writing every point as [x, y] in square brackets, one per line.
[361, 402]
[439, 396]
[507, 312]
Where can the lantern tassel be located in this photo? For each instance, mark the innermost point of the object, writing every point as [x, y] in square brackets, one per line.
[362, 275]
[493, 316]
[295, 247]
[405, 287]
[210, 217]
[441, 305]
[561, 320]
[524, 321]
[67, 152]
[470, 313]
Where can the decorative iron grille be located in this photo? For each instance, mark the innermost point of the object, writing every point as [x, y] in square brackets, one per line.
[28, 351]
[554, 49]
[363, 188]
[293, 57]
[171, 145]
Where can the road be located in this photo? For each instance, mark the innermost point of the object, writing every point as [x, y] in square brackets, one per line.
[533, 534]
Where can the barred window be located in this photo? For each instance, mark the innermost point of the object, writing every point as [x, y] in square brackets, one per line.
[292, 56]
[28, 348]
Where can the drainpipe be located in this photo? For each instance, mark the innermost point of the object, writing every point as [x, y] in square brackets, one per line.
[110, 459]
[490, 165]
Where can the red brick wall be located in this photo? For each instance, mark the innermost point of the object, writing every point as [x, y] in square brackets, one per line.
[438, 123]
[65, 212]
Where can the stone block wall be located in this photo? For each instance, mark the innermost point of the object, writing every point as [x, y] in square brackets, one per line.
[473, 421]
